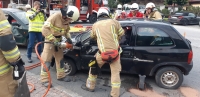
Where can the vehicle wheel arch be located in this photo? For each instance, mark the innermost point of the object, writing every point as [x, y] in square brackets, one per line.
[74, 61]
[156, 68]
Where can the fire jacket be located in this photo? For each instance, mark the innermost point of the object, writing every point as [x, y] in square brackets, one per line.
[155, 15]
[55, 26]
[138, 14]
[9, 52]
[107, 32]
[36, 20]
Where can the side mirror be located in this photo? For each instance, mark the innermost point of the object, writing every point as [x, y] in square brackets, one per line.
[16, 24]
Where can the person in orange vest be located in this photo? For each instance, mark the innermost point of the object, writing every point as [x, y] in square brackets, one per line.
[107, 32]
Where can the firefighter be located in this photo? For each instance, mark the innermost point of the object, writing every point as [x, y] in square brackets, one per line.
[134, 11]
[118, 11]
[107, 32]
[11, 64]
[152, 13]
[56, 26]
[36, 18]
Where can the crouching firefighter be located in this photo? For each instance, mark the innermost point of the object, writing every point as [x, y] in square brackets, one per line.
[56, 26]
[107, 32]
[11, 65]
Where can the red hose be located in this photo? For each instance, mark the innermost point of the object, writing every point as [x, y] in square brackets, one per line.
[39, 64]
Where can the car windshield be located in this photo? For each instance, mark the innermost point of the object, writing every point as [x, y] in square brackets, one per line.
[85, 36]
[22, 16]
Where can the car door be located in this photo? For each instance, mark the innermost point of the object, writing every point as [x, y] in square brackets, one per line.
[127, 45]
[152, 45]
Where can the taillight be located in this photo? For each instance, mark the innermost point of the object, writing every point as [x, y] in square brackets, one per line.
[180, 17]
[190, 56]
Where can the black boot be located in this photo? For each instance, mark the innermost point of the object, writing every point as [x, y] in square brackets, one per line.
[45, 84]
[85, 88]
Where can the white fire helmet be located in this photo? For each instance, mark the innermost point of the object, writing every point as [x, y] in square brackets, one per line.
[119, 6]
[134, 6]
[28, 6]
[150, 5]
[103, 11]
[71, 12]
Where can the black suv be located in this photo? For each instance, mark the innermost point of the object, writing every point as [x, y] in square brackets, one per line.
[149, 48]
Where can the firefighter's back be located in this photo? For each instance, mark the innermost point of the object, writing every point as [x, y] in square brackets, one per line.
[106, 34]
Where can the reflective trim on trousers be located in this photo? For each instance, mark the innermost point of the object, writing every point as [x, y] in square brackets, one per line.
[115, 85]
[4, 24]
[4, 68]
[92, 77]
[12, 53]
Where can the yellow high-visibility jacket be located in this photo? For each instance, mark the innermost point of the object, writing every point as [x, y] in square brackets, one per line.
[36, 20]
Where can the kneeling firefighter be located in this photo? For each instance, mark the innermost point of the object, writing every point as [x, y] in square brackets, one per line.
[107, 32]
[56, 26]
[11, 64]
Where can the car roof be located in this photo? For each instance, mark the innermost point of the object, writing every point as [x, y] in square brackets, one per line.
[12, 10]
[144, 23]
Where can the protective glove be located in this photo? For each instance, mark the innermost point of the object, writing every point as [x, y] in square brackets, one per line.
[69, 44]
[56, 43]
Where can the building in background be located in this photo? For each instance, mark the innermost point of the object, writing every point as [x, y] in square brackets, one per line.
[194, 3]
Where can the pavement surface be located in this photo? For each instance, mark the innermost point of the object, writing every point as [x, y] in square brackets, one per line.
[189, 88]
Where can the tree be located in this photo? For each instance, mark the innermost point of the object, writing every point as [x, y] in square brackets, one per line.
[124, 1]
[177, 2]
[195, 10]
[112, 3]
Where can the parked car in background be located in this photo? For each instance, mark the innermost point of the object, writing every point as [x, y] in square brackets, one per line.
[184, 18]
[149, 48]
[19, 22]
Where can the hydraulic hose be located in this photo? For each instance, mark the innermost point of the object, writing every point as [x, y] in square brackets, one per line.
[39, 64]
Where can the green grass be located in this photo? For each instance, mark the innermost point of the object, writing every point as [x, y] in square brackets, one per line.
[165, 19]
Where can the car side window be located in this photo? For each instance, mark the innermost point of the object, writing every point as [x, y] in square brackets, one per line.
[191, 14]
[149, 36]
[125, 39]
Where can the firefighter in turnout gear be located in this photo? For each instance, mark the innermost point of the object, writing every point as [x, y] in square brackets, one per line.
[36, 17]
[11, 64]
[152, 13]
[56, 26]
[107, 32]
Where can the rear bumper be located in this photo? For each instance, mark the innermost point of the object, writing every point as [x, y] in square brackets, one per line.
[188, 68]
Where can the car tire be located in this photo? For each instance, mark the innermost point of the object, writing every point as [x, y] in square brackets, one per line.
[185, 22]
[93, 18]
[162, 77]
[69, 67]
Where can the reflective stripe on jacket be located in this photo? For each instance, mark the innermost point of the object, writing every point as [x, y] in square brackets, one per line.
[4, 25]
[56, 26]
[4, 69]
[37, 22]
[107, 32]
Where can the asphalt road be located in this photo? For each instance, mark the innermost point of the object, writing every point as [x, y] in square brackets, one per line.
[189, 88]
